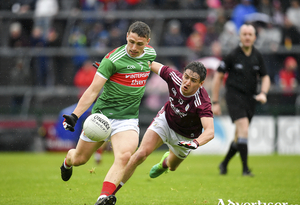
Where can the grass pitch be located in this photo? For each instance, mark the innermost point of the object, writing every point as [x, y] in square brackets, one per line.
[34, 179]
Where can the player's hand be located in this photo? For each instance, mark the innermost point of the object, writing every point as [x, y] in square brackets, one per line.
[70, 122]
[191, 145]
[96, 64]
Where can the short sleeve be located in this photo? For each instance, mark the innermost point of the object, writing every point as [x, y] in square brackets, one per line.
[106, 68]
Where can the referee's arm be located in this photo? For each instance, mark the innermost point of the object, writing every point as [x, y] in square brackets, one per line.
[217, 82]
[265, 86]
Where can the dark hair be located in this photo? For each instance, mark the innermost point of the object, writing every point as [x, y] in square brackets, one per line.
[140, 28]
[198, 68]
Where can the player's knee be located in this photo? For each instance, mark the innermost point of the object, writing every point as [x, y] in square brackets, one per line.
[124, 158]
[76, 159]
[140, 156]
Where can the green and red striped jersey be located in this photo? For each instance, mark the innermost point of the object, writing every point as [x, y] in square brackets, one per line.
[125, 86]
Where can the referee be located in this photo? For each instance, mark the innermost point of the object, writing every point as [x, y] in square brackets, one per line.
[244, 65]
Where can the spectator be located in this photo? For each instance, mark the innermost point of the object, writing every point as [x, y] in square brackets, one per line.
[17, 38]
[171, 4]
[56, 63]
[265, 6]
[116, 37]
[132, 4]
[220, 21]
[278, 14]
[69, 5]
[193, 4]
[19, 76]
[44, 12]
[269, 39]
[240, 11]
[90, 5]
[43, 76]
[19, 6]
[293, 13]
[196, 39]
[97, 36]
[229, 4]
[85, 75]
[144, 5]
[211, 63]
[174, 37]
[211, 34]
[290, 34]
[213, 4]
[286, 78]
[229, 38]
[78, 40]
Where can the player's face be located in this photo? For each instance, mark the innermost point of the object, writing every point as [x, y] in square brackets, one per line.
[136, 44]
[190, 83]
[247, 35]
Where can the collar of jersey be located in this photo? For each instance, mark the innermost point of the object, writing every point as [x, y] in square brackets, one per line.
[134, 57]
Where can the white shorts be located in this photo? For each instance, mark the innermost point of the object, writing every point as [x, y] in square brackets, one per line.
[169, 137]
[117, 125]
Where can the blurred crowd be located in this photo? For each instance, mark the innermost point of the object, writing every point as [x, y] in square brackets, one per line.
[276, 22]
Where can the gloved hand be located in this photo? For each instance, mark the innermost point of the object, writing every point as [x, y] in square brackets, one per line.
[70, 122]
[96, 64]
[191, 145]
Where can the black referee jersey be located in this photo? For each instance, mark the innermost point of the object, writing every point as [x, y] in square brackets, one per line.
[243, 71]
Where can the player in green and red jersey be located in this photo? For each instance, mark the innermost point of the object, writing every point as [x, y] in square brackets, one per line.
[127, 76]
[122, 75]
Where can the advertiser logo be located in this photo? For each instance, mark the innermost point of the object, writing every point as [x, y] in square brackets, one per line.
[131, 79]
[258, 202]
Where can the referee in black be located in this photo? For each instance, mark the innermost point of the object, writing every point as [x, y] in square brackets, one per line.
[244, 65]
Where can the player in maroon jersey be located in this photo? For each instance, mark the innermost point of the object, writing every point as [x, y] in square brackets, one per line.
[180, 123]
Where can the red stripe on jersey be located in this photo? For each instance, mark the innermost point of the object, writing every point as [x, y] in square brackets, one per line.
[149, 46]
[107, 56]
[130, 79]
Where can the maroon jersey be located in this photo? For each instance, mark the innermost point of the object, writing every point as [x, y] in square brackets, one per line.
[183, 113]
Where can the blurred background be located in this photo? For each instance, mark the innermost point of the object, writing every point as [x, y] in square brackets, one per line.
[47, 48]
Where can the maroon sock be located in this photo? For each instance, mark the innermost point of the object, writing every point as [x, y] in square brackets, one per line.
[119, 187]
[164, 164]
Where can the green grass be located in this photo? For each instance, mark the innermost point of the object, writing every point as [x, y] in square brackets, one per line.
[34, 179]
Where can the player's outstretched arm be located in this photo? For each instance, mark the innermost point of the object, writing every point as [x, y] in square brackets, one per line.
[205, 137]
[155, 66]
[85, 101]
[208, 133]
[89, 95]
